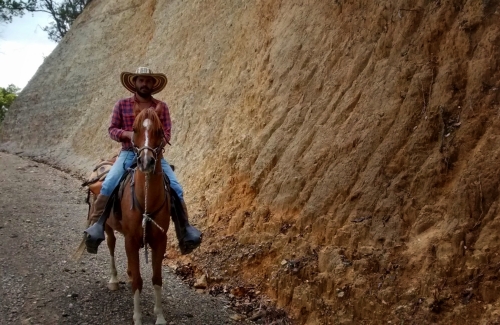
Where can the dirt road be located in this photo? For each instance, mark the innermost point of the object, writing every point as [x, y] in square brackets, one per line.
[42, 212]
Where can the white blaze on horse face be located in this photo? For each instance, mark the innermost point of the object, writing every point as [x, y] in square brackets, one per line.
[147, 124]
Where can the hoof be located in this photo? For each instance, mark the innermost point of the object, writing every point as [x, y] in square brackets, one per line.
[161, 321]
[137, 321]
[113, 286]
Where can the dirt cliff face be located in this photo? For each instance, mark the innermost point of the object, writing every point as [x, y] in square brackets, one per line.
[340, 155]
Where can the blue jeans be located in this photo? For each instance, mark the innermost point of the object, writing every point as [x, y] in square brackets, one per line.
[123, 162]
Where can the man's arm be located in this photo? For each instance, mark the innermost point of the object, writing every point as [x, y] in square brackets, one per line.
[115, 129]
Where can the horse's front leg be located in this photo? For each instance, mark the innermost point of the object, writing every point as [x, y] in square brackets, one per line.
[132, 250]
[111, 241]
[157, 256]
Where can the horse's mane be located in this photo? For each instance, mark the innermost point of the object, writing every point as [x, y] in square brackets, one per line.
[153, 116]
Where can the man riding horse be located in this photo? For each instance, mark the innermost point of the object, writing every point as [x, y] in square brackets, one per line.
[143, 83]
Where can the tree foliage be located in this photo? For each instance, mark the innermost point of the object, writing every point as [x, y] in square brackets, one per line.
[7, 96]
[63, 12]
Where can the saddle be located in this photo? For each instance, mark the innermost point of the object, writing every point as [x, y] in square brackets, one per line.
[188, 236]
[98, 175]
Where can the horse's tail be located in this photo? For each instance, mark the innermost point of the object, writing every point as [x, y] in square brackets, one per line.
[77, 255]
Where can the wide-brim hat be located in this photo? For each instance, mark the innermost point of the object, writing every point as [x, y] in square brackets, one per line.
[127, 79]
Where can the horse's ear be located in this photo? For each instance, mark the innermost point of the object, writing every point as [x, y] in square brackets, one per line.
[159, 109]
[136, 109]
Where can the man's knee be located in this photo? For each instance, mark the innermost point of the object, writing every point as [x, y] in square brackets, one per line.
[110, 182]
[107, 188]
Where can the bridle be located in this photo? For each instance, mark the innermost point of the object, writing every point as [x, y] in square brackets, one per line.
[156, 151]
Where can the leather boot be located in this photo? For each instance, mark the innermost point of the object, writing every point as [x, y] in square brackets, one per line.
[95, 233]
[189, 237]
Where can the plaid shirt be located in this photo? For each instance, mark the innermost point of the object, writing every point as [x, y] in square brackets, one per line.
[123, 117]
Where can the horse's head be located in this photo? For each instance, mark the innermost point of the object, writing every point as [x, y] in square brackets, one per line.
[148, 139]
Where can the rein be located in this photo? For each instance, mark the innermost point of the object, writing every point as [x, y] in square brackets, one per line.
[135, 201]
[147, 217]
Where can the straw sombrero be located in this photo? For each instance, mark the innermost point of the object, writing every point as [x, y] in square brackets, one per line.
[127, 79]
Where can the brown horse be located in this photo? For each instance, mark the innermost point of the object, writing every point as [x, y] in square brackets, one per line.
[145, 212]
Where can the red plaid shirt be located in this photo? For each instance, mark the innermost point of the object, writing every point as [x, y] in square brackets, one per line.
[122, 120]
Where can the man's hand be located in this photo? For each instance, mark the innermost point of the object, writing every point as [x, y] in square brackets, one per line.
[127, 135]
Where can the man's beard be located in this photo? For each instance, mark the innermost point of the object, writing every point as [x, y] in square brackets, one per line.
[144, 92]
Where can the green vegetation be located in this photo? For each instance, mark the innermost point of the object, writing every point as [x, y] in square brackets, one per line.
[63, 12]
[7, 96]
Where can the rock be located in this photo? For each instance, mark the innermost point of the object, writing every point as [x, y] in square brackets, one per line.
[257, 315]
[201, 283]
[237, 317]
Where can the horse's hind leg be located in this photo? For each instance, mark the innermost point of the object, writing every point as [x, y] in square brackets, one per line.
[157, 256]
[111, 241]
